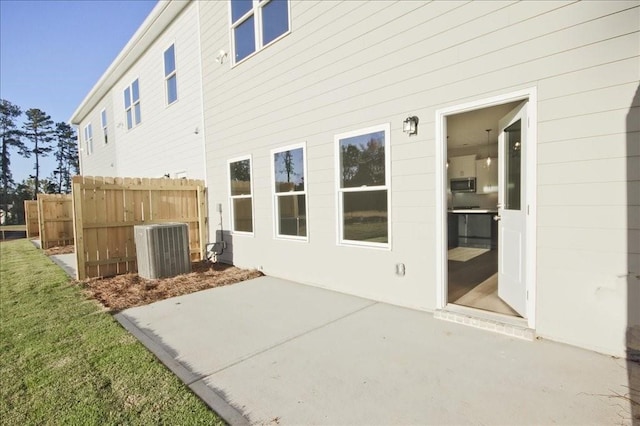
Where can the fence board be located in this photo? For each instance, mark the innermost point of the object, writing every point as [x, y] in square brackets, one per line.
[107, 209]
[31, 218]
[55, 213]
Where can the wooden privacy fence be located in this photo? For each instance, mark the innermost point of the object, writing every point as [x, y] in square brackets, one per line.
[31, 218]
[55, 212]
[107, 209]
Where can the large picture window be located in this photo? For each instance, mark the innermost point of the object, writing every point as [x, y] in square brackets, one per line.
[240, 193]
[170, 76]
[132, 104]
[363, 187]
[255, 24]
[290, 192]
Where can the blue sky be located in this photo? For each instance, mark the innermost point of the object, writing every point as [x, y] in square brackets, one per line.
[53, 52]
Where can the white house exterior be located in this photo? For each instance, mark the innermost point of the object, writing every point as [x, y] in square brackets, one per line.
[548, 90]
[164, 136]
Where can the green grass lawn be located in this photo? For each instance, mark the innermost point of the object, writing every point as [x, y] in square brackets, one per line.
[64, 361]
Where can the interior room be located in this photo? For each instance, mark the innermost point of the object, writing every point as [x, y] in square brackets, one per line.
[472, 208]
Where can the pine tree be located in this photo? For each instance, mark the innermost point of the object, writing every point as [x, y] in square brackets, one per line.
[11, 138]
[38, 129]
[66, 155]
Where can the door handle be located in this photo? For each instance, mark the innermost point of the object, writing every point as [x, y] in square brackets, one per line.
[497, 217]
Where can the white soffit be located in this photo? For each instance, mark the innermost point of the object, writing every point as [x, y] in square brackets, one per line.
[157, 21]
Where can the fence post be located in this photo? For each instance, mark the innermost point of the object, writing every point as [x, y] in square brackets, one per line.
[78, 231]
[41, 226]
[202, 207]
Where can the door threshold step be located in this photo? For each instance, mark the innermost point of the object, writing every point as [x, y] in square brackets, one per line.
[487, 321]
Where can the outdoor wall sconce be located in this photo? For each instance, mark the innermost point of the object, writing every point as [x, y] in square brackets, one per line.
[221, 55]
[410, 125]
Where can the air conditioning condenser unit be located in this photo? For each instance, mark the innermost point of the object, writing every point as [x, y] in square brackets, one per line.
[162, 250]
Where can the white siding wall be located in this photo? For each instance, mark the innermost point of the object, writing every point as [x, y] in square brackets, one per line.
[348, 65]
[102, 162]
[165, 142]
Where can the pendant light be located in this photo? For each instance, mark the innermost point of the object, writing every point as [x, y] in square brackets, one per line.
[488, 157]
[447, 165]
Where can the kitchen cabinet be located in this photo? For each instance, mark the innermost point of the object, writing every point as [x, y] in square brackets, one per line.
[477, 230]
[486, 177]
[452, 230]
[462, 166]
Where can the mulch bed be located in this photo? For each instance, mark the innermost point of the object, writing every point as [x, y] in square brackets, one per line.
[126, 291]
[60, 250]
[129, 290]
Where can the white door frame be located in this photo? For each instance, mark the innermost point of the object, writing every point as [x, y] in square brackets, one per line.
[529, 94]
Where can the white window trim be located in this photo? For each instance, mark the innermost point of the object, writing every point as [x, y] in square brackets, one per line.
[88, 138]
[275, 194]
[232, 197]
[104, 123]
[256, 11]
[387, 186]
[133, 104]
[172, 74]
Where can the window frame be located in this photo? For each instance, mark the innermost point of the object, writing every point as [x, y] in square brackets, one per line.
[386, 128]
[88, 138]
[104, 123]
[232, 224]
[276, 195]
[256, 13]
[172, 74]
[136, 119]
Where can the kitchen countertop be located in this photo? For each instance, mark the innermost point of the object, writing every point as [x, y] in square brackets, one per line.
[476, 211]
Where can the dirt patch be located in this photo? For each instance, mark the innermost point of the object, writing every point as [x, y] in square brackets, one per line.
[126, 291]
[60, 250]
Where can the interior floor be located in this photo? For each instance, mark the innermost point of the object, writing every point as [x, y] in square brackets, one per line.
[474, 283]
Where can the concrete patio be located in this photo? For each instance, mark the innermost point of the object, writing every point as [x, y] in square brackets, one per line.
[270, 351]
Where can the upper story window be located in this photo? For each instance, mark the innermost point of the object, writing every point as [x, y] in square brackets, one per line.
[290, 192]
[103, 121]
[170, 77]
[255, 24]
[241, 195]
[132, 104]
[363, 187]
[88, 138]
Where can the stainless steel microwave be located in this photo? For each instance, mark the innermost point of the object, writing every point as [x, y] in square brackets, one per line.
[463, 184]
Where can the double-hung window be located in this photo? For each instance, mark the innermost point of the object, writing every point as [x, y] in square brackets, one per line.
[290, 192]
[363, 177]
[132, 104]
[240, 193]
[88, 138]
[255, 24]
[170, 77]
[103, 121]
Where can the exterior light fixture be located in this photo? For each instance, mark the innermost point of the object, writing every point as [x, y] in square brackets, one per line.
[221, 55]
[410, 125]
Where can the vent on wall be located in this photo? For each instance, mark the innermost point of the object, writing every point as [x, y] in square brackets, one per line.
[162, 250]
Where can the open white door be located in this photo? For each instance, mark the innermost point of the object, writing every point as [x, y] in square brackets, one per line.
[512, 209]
